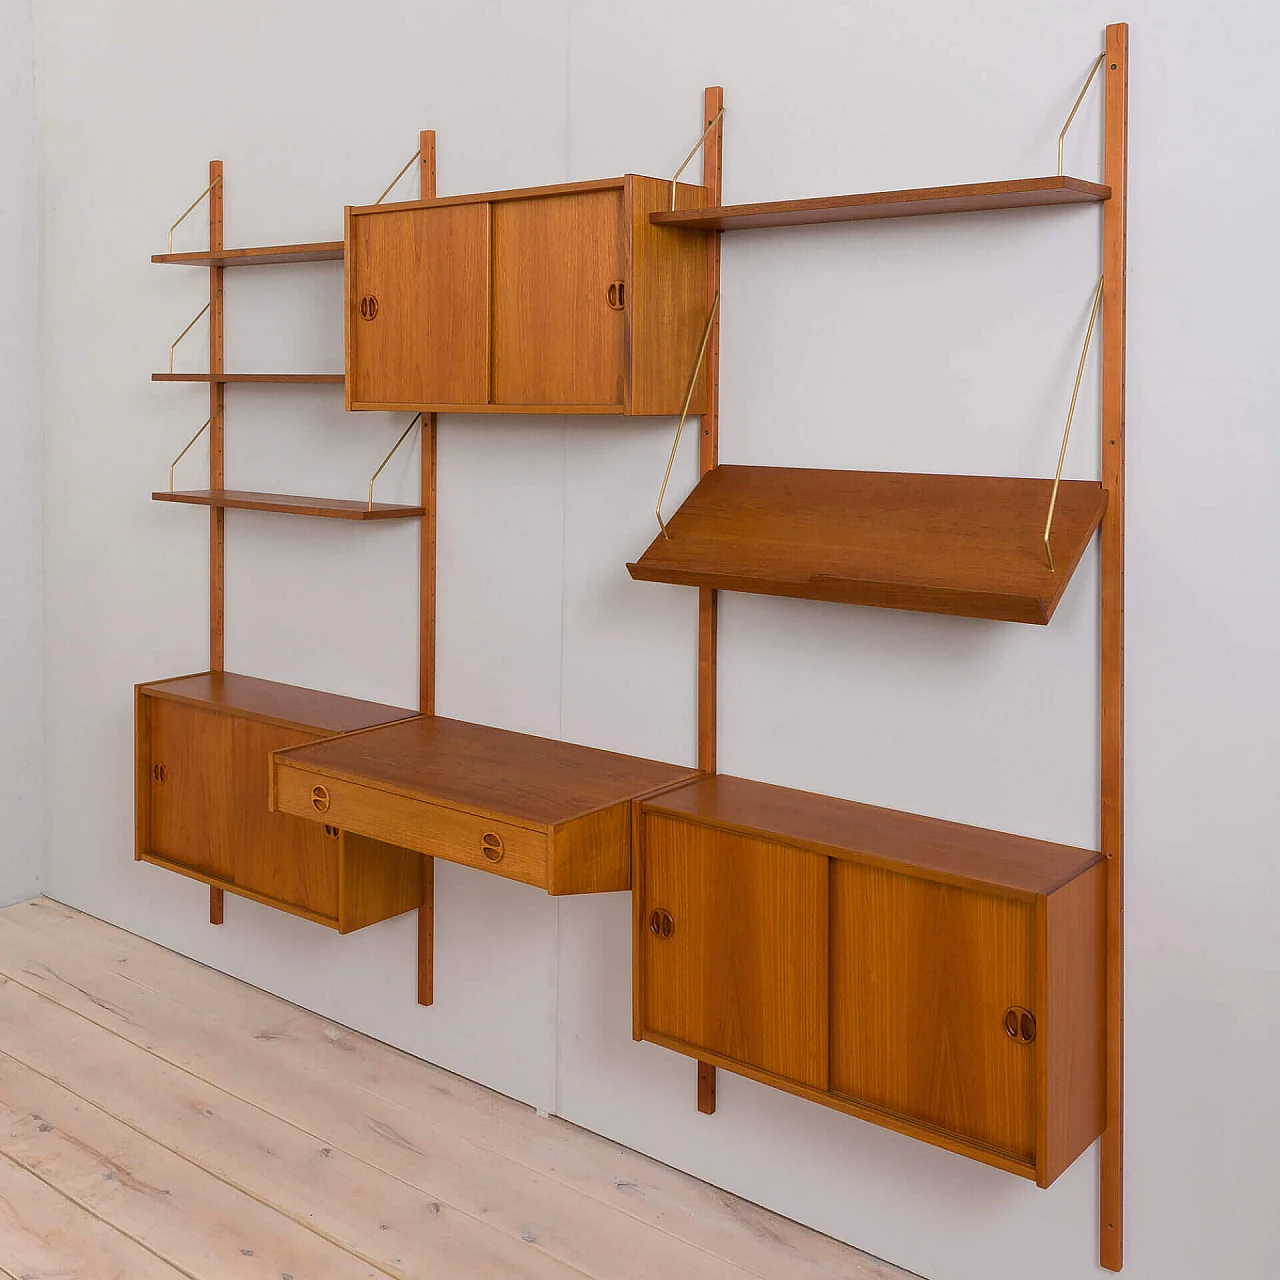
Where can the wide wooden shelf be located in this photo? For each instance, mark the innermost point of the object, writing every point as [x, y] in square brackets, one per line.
[262, 256]
[289, 505]
[964, 545]
[336, 379]
[973, 197]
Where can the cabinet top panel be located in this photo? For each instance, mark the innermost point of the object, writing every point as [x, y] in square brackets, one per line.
[931, 847]
[515, 776]
[284, 704]
[515, 193]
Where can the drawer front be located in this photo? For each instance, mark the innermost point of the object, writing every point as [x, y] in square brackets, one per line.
[484, 843]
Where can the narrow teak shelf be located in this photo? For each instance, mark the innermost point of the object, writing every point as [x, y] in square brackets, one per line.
[336, 379]
[966, 545]
[289, 505]
[544, 812]
[265, 255]
[973, 197]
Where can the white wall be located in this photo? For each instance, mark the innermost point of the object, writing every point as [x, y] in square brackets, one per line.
[930, 344]
[20, 594]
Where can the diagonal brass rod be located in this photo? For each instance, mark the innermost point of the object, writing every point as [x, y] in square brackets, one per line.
[1062, 453]
[173, 345]
[714, 121]
[1062, 137]
[684, 413]
[416, 156]
[417, 417]
[190, 207]
[185, 447]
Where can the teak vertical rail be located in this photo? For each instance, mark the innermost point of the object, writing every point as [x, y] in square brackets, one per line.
[427, 613]
[1115, 175]
[217, 399]
[708, 458]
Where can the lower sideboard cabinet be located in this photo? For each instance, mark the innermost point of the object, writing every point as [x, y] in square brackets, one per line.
[203, 748]
[944, 981]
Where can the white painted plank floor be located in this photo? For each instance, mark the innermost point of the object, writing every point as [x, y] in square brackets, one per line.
[159, 1119]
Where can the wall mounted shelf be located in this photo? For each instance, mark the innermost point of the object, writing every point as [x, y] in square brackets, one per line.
[287, 504]
[974, 197]
[333, 379]
[544, 812]
[267, 255]
[966, 545]
[202, 743]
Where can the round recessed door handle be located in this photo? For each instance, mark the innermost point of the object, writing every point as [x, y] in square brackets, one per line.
[491, 846]
[661, 923]
[368, 307]
[617, 295]
[159, 773]
[330, 831]
[1020, 1025]
[320, 798]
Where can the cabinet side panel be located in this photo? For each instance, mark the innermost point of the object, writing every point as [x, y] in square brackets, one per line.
[556, 337]
[378, 881]
[272, 854]
[736, 956]
[922, 976]
[668, 301]
[141, 772]
[592, 854]
[1076, 1022]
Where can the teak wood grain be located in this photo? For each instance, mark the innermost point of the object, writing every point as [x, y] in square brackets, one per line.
[968, 545]
[204, 747]
[973, 197]
[289, 504]
[933, 935]
[259, 256]
[555, 814]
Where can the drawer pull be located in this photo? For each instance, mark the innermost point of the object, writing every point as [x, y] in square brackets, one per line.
[661, 924]
[320, 798]
[368, 306]
[1020, 1025]
[491, 846]
[617, 295]
[330, 831]
[159, 773]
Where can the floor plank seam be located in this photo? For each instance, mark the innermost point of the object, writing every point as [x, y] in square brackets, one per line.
[88, 1212]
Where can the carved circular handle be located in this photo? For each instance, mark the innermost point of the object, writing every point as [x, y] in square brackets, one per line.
[1020, 1025]
[320, 799]
[617, 295]
[661, 924]
[330, 831]
[159, 773]
[368, 306]
[491, 846]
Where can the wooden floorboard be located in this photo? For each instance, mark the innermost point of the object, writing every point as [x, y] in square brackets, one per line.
[561, 1198]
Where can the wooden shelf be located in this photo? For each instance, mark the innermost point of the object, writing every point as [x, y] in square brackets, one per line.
[965, 545]
[287, 504]
[544, 812]
[336, 379]
[325, 251]
[1020, 193]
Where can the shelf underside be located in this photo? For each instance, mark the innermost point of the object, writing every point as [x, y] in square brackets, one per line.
[973, 197]
[266, 255]
[965, 545]
[287, 504]
[336, 379]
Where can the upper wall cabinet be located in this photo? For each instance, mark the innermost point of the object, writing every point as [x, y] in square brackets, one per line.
[562, 299]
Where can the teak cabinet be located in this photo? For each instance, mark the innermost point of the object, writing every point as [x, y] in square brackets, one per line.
[562, 299]
[204, 745]
[942, 980]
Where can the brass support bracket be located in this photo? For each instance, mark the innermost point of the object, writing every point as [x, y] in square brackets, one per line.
[684, 413]
[173, 346]
[1062, 137]
[185, 447]
[417, 155]
[190, 207]
[417, 417]
[715, 120]
[1062, 453]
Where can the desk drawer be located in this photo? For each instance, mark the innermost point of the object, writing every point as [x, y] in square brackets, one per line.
[518, 853]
